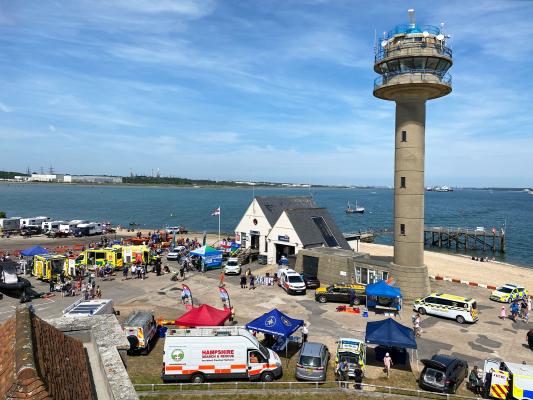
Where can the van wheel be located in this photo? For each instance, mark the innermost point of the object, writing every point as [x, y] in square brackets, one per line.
[356, 301]
[322, 299]
[267, 377]
[198, 378]
[134, 342]
[146, 349]
[460, 319]
[422, 311]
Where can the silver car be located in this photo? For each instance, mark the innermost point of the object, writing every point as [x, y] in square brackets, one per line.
[312, 362]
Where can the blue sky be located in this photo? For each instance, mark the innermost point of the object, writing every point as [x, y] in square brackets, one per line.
[256, 90]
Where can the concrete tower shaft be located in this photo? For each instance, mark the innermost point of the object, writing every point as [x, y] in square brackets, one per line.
[412, 61]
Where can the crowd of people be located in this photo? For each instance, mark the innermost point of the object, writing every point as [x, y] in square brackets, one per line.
[518, 310]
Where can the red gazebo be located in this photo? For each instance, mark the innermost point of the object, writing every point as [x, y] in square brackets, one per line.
[205, 315]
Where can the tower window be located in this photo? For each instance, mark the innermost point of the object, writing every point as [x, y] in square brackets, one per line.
[402, 182]
[404, 136]
[402, 229]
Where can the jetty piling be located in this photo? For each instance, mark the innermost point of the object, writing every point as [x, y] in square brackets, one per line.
[466, 238]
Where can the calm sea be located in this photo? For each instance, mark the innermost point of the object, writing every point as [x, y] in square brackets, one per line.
[154, 207]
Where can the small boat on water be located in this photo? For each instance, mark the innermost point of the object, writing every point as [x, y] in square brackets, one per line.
[356, 210]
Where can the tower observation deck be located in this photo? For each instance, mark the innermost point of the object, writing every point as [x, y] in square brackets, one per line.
[412, 61]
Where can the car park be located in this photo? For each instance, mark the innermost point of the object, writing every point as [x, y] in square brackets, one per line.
[312, 362]
[462, 309]
[232, 267]
[340, 293]
[509, 293]
[353, 351]
[443, 374]
[291, 281]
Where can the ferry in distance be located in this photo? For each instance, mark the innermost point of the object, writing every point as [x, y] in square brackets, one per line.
[439, 189]
[356, 210]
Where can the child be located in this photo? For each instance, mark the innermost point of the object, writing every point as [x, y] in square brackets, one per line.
[503, 313]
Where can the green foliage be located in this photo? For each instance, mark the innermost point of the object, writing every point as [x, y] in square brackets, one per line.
[2, 214]
[151, 180]
[10, 175]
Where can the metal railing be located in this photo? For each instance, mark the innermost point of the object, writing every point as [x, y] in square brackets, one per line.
[406, 29]
[412, 48]
[214, 387]
[416, 75]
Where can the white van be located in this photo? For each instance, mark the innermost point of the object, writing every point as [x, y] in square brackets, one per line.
[291, 281]
[221, 352]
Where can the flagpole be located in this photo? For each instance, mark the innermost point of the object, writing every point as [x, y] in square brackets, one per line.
[219, 212]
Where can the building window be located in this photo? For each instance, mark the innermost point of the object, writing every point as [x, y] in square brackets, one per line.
[402, 182]
[402, 229]
[384, 275]
[372, 276]
[361, 275]
[404, 136]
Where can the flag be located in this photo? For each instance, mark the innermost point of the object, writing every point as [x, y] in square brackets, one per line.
[216, 211]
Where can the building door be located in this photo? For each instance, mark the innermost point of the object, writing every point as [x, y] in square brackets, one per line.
[310, 266]
[283, 250]
[254, 242]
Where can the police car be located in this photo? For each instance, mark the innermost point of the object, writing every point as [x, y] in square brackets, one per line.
[462, 309]
[509, 293]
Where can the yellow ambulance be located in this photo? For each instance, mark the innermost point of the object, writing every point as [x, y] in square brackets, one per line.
[49, 266]
[101, 257]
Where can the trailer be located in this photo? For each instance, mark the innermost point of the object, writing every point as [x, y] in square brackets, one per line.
[9, 224]
[33, 221]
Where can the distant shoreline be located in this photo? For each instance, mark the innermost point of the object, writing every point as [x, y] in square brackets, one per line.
[169, 185]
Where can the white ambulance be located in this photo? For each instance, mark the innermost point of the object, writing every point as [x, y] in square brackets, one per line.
[221, 352]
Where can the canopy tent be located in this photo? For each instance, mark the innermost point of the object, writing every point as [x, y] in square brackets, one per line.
[34, 251]
[382, 289]
[205, 315]
[390, 333]
[382, 295]
[278, 324]
[275, 323]
[211, 257]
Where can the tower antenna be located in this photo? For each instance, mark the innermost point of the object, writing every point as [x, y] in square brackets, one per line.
[412, 19]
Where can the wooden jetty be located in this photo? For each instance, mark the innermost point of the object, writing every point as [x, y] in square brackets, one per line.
[367, 236]
[466, 238]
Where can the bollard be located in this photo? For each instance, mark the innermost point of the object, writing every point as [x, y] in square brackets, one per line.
[153, 387]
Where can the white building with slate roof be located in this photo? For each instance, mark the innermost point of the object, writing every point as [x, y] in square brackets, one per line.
[276, 226]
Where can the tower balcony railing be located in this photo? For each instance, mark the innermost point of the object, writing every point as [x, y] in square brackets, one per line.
[413, 76]
[412, 48]
[407, 28]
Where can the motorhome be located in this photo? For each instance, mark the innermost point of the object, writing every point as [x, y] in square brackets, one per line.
[51, 226]
[90, 229]
[222, 352]
[70, 227]
[9, 224]
[34, 221]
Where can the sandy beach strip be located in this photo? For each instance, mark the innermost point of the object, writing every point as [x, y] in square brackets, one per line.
[464, 268]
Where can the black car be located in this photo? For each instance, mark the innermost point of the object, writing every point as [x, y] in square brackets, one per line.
[443, 374]
[30, 230]
[311, 282]
[340, 293]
